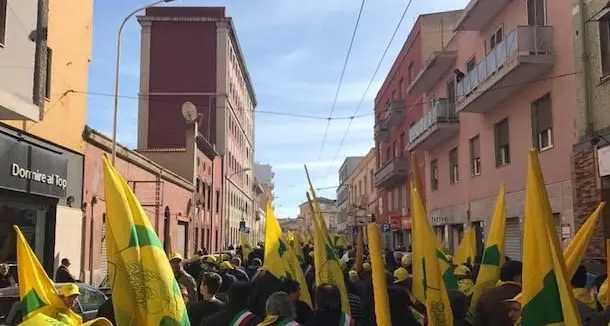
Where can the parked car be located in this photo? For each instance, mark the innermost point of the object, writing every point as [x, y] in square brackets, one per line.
[87, 304]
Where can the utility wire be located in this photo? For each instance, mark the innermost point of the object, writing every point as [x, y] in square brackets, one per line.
[385, 52]
[349, 51]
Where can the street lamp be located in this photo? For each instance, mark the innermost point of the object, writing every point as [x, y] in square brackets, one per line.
[116, 73]
[227, 228]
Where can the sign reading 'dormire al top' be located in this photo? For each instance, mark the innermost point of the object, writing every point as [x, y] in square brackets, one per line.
[28, 168]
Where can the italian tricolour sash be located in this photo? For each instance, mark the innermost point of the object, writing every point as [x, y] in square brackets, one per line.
[242, 318]
[345, 320]
[288, 322]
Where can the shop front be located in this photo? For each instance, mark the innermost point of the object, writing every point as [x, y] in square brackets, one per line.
[34, 180]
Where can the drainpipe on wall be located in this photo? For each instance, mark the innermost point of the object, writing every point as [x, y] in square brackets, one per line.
[586, 67]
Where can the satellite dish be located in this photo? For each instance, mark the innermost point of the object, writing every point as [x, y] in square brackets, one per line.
[189, 111]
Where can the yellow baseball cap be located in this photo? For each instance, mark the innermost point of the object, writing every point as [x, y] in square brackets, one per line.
[175, 256]
[407, 259]
[226, 265]
[366, 267]
[401, 275]
[210, 259]
[353, 275]
[68, 290]
[461, 270]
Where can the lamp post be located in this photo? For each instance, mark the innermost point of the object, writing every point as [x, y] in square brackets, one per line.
[227, 218]
[116, 73]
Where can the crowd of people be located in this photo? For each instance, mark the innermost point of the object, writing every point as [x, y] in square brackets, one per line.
[228, 289]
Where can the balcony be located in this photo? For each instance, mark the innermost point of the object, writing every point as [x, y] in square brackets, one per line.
[435, 68]
[479, 13]
[14, 107]
[395, 113]
[391, 172]
[437, 125]
[525, 54]
[381, 130]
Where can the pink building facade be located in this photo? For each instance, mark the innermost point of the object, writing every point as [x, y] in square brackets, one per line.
[504, 84]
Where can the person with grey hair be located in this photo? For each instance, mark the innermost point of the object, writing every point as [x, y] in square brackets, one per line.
[280, 310]
[6, 280]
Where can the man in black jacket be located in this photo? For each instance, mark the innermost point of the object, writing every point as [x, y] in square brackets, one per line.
[235, 312]
[210, 284]
[63, 273]
[304, 312]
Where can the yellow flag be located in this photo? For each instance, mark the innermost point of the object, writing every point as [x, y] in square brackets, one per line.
[467, 249]
[144, 289]
[577, 248]
[493, 254]
[547, 297]
[42, 319]
[380, 289]
[280, 259]
[246, 249]
[428, 283]
[328, 269]
[36, 291]
[360, 249]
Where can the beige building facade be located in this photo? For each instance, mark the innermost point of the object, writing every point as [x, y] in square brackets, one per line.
[362, 192]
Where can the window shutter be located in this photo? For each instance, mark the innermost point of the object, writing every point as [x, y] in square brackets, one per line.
[544, 113]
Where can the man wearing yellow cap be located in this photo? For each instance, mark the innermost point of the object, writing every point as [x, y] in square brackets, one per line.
[463, 275]
[183, 278]
[403, 279]
[68, 293]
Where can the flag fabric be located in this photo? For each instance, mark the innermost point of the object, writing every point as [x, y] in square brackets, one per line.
[428, 283]
[42, 319]
[36, 291]
[246, 248]
[144, 289]
[360, 249]
[577, 248]
[280, 259]
[380, 289]
[328, 269]
[547, 297]
[493, 254]
[467, 249]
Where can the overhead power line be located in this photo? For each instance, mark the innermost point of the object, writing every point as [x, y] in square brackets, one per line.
[349, 51]
[385, 52]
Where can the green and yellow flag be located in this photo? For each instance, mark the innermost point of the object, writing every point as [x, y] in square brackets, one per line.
[42, 319]
[428, 282]
[144, 289]
[280, 259]
[467, 249]
[380, 288]
[328, 269]
[577, 248]
[547, 297]
[493, 254]
[246, 248]
[36, 291]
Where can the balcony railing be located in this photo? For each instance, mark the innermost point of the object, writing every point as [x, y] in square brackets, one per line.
[395, 112]
[381, 130]
[391, 171]
[524, 41]
[440, 111]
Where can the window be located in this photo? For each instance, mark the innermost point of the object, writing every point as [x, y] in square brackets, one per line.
[209, 206]
[471, 64]
[542, 123]
[393, 95]
[401, 87]
[475, 156]
[454, 176]
[395, 149]
[434, 174]
[47, 85]
[217, 201]
[372, 174]
[496, 38]
[3, 5]
[604, 43]
[502, 143]
[366, 183]
[536, 13]
[403, 139]
[410, 72]
[388, 154]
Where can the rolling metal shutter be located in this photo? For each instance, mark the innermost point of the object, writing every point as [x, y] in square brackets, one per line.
[512, 238]
[103, 257]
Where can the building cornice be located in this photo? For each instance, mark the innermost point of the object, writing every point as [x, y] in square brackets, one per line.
[101, 141]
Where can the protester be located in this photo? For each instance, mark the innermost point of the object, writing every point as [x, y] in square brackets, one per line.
[209, 305]
[68, 294]
[459, 307]
[491, 309]
[254, 267]
[514, 310]
[464, 277]
[63, 272]
[355, 303]
[185, 294]
[183, 277]
[5, 279]
[227, 268]
[587, 305]
[235, 312]
[280, 310]
[400, 303]
[303, 311]
[328, 308]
